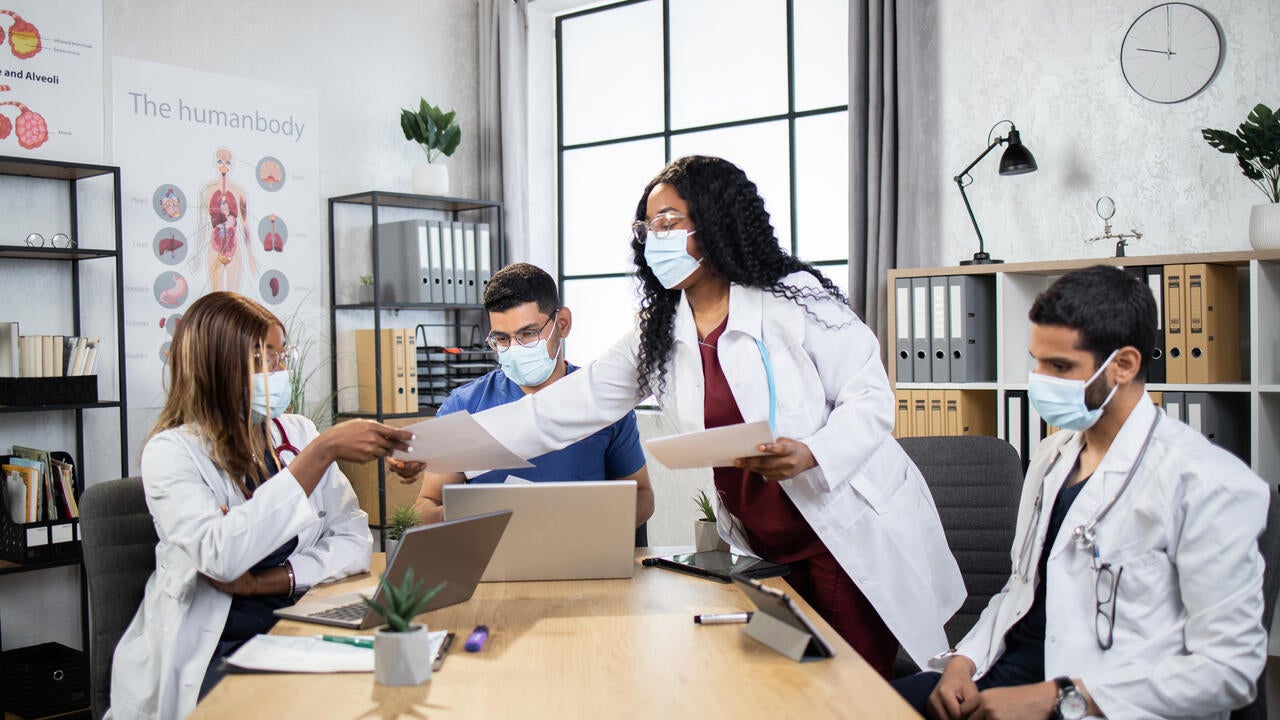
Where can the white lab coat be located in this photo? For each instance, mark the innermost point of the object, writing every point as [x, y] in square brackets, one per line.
[865, 500]
[161, 659]
[1189, 641]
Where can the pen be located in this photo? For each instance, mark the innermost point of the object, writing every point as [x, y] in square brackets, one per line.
[357, 641]
[442, 651]
[476, 640]
[721, 618]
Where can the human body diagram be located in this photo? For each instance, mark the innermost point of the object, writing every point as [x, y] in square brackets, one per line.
[224, 235]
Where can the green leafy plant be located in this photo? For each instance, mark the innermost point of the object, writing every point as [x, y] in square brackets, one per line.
[1256, 145]
[400, 519]
[432, 128]
[366, 279]
[402, 604]
[704, 506]
[301, 373]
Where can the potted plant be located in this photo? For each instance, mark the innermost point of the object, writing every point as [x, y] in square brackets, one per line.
[705, 535]
[1256, 145]
[364, 291]
[399, 519]
[438, 134]
[402, 648]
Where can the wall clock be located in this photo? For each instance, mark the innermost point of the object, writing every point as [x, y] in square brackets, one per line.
[1171, 52]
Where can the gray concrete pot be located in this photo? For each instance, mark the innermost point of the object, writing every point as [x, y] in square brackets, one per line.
[401, 658]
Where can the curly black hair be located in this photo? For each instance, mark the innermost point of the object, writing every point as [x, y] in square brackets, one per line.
[737, 243]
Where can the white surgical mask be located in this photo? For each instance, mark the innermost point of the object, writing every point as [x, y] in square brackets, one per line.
[281, 392]
[1060, 401]
[668, 258]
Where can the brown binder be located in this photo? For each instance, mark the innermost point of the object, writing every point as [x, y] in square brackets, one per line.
[902, 418]
[366, 369]
[1175, 333]
[1213, 324]
[969, 412]
[937, 401]
[411, 370]
[919, 413]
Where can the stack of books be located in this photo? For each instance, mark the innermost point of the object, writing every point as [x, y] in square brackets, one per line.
[46, 355]
[38, 487]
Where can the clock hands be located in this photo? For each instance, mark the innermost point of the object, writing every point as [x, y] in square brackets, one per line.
[1158, 52]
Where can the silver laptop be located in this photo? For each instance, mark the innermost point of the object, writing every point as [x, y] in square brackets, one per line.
[560, 530]
[453, 552]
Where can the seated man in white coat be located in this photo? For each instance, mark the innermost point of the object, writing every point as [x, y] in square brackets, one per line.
[1137, 582]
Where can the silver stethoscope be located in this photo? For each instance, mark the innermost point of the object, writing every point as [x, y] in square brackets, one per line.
[1085, 536]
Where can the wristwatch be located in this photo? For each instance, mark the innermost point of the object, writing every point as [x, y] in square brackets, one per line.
[1071, 704]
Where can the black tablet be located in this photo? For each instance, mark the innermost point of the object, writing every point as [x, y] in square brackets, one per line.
[719, 565]
[778, 605]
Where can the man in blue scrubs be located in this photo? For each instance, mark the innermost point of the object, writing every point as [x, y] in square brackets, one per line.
[529, 326]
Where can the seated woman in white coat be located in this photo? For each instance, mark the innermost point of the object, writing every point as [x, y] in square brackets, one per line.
[732, 328]
[247, 501]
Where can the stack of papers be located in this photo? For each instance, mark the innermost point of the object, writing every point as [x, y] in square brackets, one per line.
[280, 653]
[717, 447]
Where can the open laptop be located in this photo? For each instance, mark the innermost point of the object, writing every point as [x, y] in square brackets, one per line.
[560, 530]
[455, 552]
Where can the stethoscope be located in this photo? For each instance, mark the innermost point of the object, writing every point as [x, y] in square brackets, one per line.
[285, 446]
[1085, 536]
[773, 395]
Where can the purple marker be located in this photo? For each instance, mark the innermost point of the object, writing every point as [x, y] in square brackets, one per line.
[475, 642]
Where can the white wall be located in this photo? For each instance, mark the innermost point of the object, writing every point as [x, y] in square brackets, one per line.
[1053, 68]
[365, 60]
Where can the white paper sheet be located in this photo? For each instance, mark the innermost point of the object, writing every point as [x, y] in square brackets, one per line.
[457, 443]
[280, 653]
[717, 447]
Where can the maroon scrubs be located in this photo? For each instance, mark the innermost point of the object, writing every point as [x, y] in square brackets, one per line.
[779, 533]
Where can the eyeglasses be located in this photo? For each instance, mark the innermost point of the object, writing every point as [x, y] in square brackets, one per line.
[1104, 592]
[285, 358]
[659, 224]
[500, 342]
[58, 240]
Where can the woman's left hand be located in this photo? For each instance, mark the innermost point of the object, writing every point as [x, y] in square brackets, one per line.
[246, 584]
[784, 458]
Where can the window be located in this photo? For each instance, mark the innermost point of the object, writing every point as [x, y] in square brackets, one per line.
[762, 83]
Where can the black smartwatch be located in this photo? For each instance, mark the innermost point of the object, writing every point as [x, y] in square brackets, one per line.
[1071, 704]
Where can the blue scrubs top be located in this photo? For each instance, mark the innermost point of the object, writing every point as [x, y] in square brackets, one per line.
[609, 454]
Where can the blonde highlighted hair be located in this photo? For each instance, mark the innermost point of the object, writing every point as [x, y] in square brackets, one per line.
[211, 360]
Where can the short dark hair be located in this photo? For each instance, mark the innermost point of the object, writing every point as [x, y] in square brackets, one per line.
[1109, 307]
[520, 283]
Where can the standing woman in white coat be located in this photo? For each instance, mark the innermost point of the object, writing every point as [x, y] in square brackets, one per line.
[248, 504]
[732, 328]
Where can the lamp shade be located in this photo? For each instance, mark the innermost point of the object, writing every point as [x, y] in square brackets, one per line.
[1017, 159]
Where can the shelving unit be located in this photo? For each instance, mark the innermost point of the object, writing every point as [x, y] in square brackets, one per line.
[66, 177]
[452, 321]
[1017, 284]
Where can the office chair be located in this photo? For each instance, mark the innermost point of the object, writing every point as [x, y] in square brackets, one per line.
[1269, 546]
[119, 540]
[976, 482]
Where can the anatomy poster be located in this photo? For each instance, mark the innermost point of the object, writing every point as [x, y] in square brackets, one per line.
[220, 185]
[51, 79]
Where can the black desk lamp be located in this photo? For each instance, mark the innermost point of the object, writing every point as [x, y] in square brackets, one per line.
[1017, 159]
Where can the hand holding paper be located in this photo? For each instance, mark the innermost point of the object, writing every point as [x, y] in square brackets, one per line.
[457, 443]
[717, 447]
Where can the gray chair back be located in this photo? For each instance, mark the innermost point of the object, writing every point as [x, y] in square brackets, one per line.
[976, 482]
[1269, 546]
[119, 540]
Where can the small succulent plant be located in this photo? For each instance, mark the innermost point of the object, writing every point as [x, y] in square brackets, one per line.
[400, 605]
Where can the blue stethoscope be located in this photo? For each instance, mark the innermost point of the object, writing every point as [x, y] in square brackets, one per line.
[773, 393]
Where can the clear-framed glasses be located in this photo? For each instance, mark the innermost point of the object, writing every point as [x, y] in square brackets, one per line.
[286, 358]
[500, 342]
[57, 240]
[1105, 589]
[660, 224]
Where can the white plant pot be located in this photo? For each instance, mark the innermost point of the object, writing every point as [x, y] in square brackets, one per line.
[706, 537]
[430, 179]
[401, 658]
[1264, 226]
[389, 547]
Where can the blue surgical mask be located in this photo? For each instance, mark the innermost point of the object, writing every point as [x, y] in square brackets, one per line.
[527, 366]
[279, 395]
[1060, 401]
[668, 258]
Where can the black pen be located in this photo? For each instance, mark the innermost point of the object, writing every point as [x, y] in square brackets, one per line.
[442, 651]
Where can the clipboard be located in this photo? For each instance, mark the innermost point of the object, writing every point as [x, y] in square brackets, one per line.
[779, 624]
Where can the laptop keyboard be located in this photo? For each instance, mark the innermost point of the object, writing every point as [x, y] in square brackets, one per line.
[350, 612]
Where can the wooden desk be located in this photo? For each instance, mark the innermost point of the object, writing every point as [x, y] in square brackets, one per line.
[599, 648]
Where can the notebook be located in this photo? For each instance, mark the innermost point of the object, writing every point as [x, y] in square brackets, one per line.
[455, 552]
[559, 530]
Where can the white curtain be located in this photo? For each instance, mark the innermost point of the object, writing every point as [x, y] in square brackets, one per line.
[504, 112]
